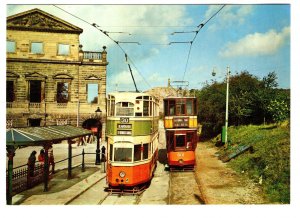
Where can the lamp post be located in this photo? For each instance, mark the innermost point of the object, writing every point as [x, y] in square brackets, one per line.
[98, 116]
[227, 100]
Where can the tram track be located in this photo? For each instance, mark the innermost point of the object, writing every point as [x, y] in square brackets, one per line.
[184, 189]
[89, 195]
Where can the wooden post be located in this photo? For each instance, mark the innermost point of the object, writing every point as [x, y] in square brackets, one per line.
[46, 167]
[82, 164]
[69, 159]
[10, 155]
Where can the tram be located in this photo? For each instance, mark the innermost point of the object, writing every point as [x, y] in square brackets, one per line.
[132, 138]
[180, 123]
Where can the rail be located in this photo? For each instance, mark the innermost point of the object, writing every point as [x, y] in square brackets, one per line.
[21, 180]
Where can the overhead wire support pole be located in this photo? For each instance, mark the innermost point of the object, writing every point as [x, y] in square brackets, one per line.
[227, 99]
[131, 73]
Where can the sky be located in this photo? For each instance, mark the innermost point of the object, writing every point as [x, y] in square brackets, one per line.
[157, 40]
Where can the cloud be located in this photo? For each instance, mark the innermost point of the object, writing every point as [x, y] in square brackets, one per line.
[257, 44]
[230, 15]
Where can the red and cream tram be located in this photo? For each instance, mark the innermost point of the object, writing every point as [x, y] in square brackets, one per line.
[132, 136]
[180, 122]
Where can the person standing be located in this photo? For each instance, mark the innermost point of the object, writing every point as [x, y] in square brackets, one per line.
[41, 157]
[31, 163]
[103, 158]
[51, 159]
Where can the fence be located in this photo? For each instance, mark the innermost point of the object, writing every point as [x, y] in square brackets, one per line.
[21, 180]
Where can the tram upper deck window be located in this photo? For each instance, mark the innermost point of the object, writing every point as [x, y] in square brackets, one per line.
[171, 107]
[195, 106]
[146, 108]
[111, 105]
[189, 107]
[180, 107]
[124, 109]
[123, 154]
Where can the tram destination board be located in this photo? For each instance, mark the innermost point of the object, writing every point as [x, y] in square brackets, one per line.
[123, 132]
[124, 126]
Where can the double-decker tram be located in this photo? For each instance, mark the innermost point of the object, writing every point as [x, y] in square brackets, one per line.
[180, 122]
[132, 138]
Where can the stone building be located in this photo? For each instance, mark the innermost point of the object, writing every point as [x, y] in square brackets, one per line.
[50, 80]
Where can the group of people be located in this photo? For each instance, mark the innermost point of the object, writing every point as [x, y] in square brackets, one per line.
[41, 159]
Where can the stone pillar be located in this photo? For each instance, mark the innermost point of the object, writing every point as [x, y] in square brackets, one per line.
[104, 54]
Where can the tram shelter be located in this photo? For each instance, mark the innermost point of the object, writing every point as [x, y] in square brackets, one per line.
[40, 136]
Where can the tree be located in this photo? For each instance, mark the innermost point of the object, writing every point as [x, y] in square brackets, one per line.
[250, 102]
[279, 110]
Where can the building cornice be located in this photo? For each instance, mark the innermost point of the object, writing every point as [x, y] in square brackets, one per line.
[55, 61]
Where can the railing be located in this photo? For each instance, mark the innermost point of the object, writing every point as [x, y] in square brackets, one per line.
[62, 105]
[34, 105]
[92, 55]
[9, 104]
[21, 180]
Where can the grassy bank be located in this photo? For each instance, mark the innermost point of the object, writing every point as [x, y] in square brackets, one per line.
[269, 164]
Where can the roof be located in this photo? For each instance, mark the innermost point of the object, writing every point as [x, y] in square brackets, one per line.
[38, 135]
[38, 20]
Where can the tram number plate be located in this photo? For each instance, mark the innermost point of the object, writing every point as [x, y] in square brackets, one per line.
[180, 154]
[124, 119]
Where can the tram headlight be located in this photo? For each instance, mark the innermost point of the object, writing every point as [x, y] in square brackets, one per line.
[122, 174]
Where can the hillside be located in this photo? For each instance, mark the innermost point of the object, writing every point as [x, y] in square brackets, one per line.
[269, 162]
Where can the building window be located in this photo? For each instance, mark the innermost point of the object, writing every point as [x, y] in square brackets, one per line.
[35, 90]
[34, 122]
[37, 47]
[92, 93]
[10, 92]
[10, 46]
[62, 95]
[63, 49]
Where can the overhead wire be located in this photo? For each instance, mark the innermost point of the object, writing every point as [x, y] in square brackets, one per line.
[200, 26]
[117, 42]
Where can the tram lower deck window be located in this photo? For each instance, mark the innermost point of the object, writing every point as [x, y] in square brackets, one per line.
[137, 152]
[123, 154]
[180, 141]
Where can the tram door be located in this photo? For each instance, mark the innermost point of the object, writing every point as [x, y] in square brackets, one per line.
[180, 142]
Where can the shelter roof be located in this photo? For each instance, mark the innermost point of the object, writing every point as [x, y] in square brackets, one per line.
[38, 135]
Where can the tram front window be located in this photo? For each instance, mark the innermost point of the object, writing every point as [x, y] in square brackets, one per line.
[180, 141]
[123, 154]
